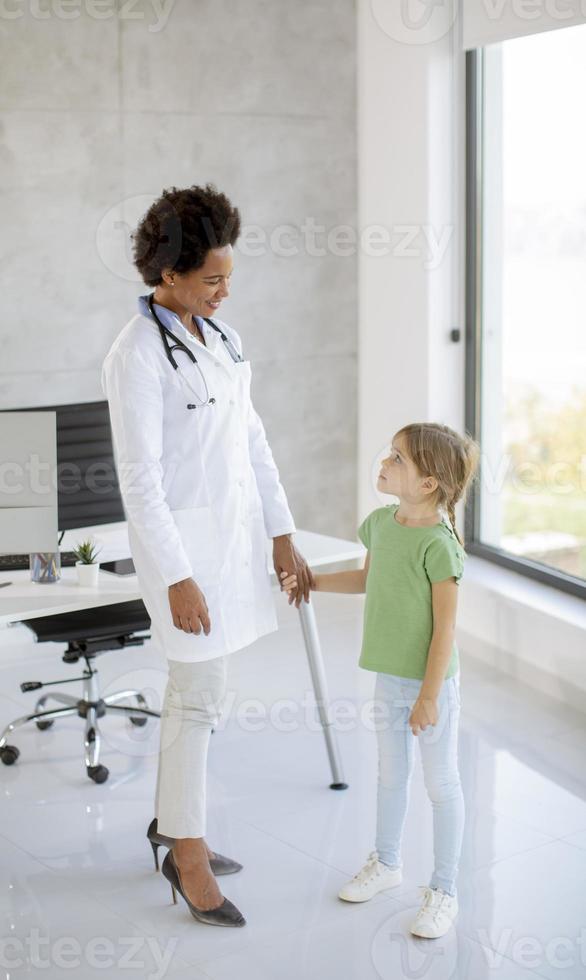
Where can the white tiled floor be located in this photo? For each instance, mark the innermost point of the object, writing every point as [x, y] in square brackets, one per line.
[79, 882]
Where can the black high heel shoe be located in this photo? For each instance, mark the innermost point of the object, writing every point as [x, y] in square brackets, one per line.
[219, 864]
[225, 915]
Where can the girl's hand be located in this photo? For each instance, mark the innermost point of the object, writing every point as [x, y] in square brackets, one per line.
[289, 585]
[424, 713]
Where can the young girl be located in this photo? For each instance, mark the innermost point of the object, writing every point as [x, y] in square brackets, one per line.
[414, 562]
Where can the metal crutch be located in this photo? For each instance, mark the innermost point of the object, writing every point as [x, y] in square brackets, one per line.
[320, 687]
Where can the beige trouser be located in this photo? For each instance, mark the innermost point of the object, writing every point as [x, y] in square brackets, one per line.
[192, 706]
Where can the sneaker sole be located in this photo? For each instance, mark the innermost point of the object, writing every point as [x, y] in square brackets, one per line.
[360, 900]
[424, 935]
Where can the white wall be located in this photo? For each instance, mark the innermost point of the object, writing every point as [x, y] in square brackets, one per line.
[411, 181]
[411, 146]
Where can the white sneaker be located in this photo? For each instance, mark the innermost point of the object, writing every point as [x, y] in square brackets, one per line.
[438, 911]
[372, 878]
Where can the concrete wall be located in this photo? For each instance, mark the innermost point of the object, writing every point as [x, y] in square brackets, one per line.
[103, 107]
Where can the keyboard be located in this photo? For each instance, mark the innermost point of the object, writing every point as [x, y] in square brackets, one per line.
[15, 563]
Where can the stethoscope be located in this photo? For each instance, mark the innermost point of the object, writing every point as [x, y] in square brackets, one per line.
[178, 344]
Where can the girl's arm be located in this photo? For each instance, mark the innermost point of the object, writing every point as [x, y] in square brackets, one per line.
[348, 582]
[444, 597]
[444, 600]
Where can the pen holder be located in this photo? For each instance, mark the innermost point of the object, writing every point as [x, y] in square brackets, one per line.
[45, 566]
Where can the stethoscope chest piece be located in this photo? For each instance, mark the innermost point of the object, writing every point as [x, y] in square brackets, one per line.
[178, 345]
[210, 401]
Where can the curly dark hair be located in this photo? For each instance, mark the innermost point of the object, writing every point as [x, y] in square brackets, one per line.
[180, 228]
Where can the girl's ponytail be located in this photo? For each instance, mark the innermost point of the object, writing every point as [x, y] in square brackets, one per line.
[451, 508]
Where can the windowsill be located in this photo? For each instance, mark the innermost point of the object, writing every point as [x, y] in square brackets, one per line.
[531, 631]
[525, 591]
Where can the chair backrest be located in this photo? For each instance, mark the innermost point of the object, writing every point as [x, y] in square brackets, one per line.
[88, 489]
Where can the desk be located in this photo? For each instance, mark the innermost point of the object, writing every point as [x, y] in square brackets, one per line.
[28, 600]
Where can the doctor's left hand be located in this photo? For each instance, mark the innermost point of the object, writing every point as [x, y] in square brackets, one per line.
[286, 558]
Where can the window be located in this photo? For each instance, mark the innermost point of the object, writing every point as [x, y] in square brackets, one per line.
[526, 303]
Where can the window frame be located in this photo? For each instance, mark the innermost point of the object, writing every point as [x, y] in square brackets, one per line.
[570, 584]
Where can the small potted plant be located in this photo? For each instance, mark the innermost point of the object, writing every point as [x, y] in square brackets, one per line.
[86, 564]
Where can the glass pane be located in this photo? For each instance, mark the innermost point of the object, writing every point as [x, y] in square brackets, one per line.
[533, 386]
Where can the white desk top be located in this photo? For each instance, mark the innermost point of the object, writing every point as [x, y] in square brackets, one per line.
[29, 600]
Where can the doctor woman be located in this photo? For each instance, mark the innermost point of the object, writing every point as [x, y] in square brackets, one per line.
[201, 493]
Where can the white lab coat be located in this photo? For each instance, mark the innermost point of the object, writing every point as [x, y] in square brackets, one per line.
[200, 488]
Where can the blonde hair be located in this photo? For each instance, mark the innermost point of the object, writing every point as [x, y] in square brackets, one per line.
[438, 451]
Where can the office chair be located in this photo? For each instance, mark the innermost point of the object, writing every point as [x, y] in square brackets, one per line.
[84, 441]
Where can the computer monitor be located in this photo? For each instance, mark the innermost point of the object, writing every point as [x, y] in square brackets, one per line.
[88, 492]
[28, 482]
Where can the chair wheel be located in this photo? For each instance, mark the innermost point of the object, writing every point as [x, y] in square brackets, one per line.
[99, 774]
[139, 722]
[42, 725]
[9, 754]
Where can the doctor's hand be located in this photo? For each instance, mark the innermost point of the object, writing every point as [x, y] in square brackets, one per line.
[188, 607]
[286, 558]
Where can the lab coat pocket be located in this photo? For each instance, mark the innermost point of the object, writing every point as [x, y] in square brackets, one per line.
[243, 375]
[197, 530]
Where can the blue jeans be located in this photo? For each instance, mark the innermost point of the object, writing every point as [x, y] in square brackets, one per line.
[439, 756]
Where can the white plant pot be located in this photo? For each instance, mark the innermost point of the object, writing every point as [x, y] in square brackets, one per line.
[87, 575]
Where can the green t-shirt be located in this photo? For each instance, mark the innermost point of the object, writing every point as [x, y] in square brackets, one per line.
[398, 617]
